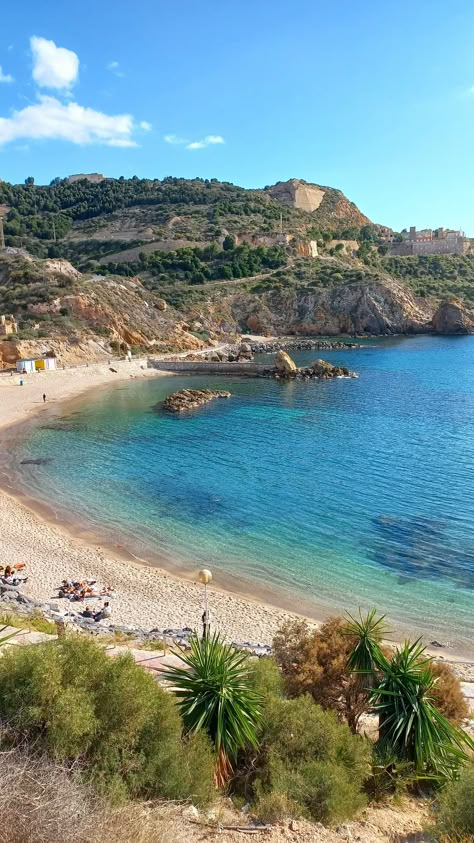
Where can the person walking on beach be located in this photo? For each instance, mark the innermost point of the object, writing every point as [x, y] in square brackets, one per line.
[44, 397]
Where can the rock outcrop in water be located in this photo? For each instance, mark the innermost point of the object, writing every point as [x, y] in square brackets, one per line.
[191, 399]
[286, 369]
[323, 369]
[452, 318]
[284, 365]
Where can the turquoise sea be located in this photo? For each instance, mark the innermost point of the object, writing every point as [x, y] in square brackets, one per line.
[319, 495]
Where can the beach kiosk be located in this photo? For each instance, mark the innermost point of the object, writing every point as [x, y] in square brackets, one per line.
[35, 364]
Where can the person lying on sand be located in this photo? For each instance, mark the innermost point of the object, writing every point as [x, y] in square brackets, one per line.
[12, 579]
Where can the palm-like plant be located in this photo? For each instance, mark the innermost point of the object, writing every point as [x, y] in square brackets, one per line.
[410, 725]
[214, 693]
[411, 728]
[367, 656]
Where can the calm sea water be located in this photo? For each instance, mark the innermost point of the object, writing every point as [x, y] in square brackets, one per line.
[332, 494]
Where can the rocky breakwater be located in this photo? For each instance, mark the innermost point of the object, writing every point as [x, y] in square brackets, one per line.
[301, 345]
[235, 353]
[286, 369]
[190, 399]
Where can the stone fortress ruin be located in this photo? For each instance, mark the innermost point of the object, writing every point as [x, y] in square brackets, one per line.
[428, 241]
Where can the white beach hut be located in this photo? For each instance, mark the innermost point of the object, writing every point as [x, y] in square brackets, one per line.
[35, 364]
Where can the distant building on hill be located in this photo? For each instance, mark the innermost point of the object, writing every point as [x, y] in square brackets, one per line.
[94, 178]
[8, 325]
[429, 241]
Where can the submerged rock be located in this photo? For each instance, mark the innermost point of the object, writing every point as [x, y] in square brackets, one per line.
[190, 399]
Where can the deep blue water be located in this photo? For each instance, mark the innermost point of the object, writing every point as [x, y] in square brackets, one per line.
[335, 493]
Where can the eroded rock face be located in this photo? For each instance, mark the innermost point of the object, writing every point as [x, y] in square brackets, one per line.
[190, 399]
[368, 307]
[284, 364]
[452, 318]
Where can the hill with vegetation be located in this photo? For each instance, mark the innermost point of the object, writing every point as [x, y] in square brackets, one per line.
[174, 263]
[141, 210]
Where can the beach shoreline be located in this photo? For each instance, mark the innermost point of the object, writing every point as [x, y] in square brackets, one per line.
[148, 595]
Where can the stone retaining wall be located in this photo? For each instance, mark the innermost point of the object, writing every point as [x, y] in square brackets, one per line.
[196, 367]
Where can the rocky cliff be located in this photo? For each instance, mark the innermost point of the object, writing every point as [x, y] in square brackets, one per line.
[88, 317]
[363, 308]
[452, 318]
[332, 206]
[83, 317]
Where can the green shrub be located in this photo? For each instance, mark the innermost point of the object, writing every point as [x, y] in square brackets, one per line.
[274, 807]
[267, 679]
[73, 702]
[36, 622]
[456, 811]
[311, 760]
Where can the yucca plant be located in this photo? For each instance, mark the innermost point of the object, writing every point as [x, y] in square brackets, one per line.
[366, 661]
[368, 631]
[410, 724]
[215, 693]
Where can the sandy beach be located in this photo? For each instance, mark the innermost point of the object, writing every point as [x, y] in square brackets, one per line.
[146, 596]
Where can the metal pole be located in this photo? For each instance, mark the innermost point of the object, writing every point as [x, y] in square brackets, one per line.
[205, 625]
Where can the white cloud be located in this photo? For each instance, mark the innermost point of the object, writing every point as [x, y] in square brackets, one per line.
[114, 68]
[5, 77]
[53, 67]
[470, 90]
[174, 139]
[53, 120]
[210, 140]
[146, 126]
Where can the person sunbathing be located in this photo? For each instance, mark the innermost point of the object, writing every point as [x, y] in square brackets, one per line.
[12, 579]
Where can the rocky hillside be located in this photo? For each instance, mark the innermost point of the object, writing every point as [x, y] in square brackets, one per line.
[88, 316]
[94, 266]
[329, 207]
[82, 317]
[86, 218]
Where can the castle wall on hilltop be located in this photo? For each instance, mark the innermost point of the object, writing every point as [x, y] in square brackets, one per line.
[448, 246]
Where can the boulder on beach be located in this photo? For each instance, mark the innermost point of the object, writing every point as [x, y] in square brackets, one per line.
[190, 399]
[284, 365]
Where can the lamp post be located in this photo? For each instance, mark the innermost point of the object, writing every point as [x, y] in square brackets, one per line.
[205, 577]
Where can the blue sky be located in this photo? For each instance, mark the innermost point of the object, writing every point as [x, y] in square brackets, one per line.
[374, 98]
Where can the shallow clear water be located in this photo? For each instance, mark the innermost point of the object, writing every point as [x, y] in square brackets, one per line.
[336, 493]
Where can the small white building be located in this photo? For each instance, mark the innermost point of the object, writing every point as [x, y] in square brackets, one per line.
[35, 364]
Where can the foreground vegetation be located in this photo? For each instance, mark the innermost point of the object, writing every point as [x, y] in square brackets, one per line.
[282, 734]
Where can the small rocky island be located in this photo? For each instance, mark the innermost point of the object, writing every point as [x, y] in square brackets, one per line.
[191, 399]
